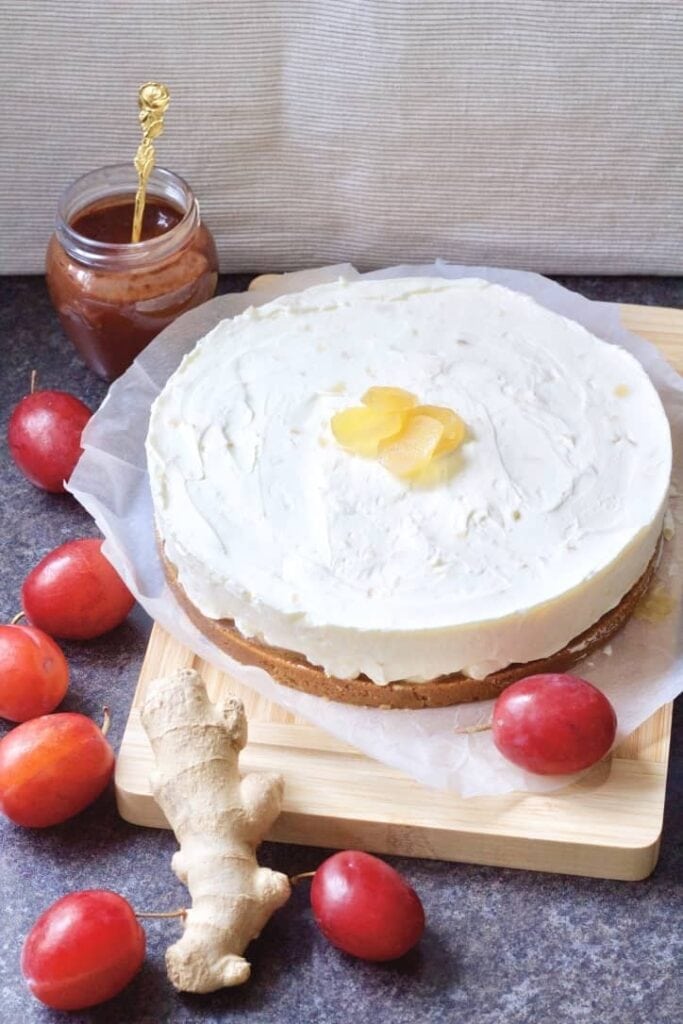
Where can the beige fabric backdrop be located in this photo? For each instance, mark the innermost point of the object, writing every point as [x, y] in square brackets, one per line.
[532, 134]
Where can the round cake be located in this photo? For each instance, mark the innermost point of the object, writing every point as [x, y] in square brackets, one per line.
[518, 551]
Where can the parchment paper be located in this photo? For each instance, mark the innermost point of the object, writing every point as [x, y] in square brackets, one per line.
[640, 670]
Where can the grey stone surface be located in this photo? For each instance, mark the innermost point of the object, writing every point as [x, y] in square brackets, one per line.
[502, 946]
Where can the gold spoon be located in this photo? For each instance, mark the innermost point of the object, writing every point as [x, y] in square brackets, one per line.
[153, 100]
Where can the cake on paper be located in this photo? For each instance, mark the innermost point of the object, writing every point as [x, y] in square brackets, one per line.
[307, 549]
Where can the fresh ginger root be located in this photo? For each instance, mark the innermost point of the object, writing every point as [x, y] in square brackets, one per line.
[219, 819]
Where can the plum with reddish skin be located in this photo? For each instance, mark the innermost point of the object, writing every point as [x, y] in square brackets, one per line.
[83, 950]
[364, 907]
[44, 437]
[51, 768]
[553, 724]
[75, 593]
[34, 675]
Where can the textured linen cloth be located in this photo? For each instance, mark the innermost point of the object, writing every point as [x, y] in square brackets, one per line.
[529, 134]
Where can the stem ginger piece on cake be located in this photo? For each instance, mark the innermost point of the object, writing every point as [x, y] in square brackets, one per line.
[412, 450]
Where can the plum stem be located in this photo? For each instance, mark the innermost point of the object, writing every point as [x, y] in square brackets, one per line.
[106, 720]
[295, 879]
[181, 912]
[17, 617]
[482, 727]
[34, 378]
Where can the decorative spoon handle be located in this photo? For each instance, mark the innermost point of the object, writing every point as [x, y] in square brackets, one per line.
[153, 100]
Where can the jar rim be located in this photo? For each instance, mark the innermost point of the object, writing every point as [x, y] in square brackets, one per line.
[121, 179]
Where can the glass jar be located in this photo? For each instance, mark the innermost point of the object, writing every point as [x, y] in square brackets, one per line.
[113, 296]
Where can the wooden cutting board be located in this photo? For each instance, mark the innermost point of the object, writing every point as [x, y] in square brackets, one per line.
[605, 826]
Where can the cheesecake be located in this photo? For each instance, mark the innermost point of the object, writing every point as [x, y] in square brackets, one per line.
[518, 551]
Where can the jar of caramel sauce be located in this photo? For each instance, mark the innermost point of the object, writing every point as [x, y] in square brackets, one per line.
[113, 296]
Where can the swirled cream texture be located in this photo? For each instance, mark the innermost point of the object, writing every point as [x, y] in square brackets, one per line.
[538, 525]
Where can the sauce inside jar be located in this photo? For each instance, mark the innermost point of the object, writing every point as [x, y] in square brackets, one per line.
[113, 297]
[111, 220]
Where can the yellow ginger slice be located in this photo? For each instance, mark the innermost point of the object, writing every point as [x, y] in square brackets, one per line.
[360, 429]
[454, 429]
[412, 451]
[389, 399]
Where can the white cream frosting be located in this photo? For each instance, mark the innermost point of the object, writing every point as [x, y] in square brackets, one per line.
[541, 522]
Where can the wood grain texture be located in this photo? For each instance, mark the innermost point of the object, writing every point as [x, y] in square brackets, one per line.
[606, 826]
